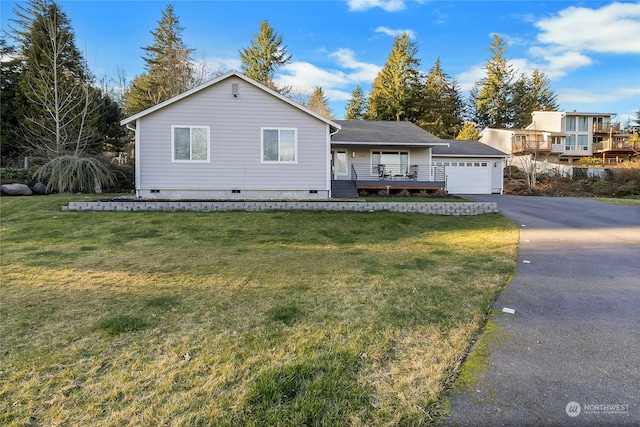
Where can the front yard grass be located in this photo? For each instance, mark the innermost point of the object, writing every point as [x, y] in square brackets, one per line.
[237, 318]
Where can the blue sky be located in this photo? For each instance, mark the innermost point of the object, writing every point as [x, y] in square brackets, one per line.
[589, 49]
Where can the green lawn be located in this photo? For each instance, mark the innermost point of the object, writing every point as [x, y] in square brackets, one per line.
[269, 318]
[619, 201]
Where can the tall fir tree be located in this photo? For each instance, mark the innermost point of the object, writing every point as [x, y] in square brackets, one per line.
[532, 94]
[168, 67]
[319, 103]
[395, 93]
[493, 93]
[357, 106]
[265, 55]
[443, 104]
[11, 68]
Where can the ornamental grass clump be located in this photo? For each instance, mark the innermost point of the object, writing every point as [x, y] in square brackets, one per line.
[73, 173]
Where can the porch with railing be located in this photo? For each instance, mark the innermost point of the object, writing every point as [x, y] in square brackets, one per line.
[616, 145]
[531, 146]
[395, 177]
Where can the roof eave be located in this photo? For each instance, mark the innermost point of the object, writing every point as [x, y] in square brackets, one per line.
[413, 144]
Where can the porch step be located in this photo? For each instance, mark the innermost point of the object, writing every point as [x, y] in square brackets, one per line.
[343, 189]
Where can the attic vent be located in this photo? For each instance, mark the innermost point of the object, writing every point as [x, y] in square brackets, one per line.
[234, 89]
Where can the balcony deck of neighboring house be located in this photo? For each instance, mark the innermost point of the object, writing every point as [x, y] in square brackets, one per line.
[389, 179]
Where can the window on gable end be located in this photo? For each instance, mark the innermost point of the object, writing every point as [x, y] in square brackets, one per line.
[190, 143]
[279, 145]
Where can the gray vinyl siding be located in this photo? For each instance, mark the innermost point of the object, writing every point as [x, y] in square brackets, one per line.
[360, 157]
[235, 161]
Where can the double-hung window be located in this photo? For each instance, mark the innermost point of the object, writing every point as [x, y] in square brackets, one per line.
[279, 145]
[190, 143]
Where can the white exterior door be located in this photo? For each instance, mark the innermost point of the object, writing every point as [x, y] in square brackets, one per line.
[339, 164]
[468, 177]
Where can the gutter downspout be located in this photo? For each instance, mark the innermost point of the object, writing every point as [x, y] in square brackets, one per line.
[137, 157]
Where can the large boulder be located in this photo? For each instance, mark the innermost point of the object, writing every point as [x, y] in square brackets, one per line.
[15, 190]
[39, 188]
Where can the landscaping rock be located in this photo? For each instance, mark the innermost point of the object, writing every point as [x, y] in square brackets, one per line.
[39, 188]
[15, 190]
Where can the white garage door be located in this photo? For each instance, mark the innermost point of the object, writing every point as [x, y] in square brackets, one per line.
[468, 177]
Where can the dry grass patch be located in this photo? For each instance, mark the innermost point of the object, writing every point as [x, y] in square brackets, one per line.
[289, 318]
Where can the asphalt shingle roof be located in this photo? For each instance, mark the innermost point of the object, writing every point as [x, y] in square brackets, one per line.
[466, 149]
[364, 131]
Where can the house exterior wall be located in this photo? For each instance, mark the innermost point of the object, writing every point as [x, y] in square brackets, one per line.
[551, 121]
[235, 168]
[360, 157]
[500, 139]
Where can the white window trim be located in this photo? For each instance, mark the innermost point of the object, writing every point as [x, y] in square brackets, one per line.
[279, 162]
[190, 127]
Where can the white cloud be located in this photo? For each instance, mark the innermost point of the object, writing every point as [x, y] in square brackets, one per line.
[337, 83]
[216, 65]
[596, 96]
[304, 77]
[395, 32]
[386, 5]
[364, 71]
[467, 79]
[614, 28]
[557, 63]
[578, 96]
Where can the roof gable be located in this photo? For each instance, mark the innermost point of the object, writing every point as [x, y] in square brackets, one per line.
[218, 80]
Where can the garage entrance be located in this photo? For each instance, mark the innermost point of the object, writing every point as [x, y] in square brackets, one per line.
[468, 177]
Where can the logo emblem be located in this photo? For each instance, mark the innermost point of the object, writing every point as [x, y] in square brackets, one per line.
[573, 409]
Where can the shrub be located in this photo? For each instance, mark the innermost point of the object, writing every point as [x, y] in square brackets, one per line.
[69, 174]
[15, 175]
[123, 178]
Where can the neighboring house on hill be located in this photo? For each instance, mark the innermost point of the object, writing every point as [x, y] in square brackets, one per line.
[233, 138]
[564, 137]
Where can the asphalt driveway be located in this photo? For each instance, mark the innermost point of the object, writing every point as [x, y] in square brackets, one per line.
[570, 354]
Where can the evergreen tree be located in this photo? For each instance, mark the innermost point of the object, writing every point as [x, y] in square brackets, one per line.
[265, 56]
[11, 68]
[493, 94]
[395, 94]
[521, 100]
[532, 94]
[443, 104]
[319, 103]
[545, 98]
[357, 105]
[469, 132]
[169, 70]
